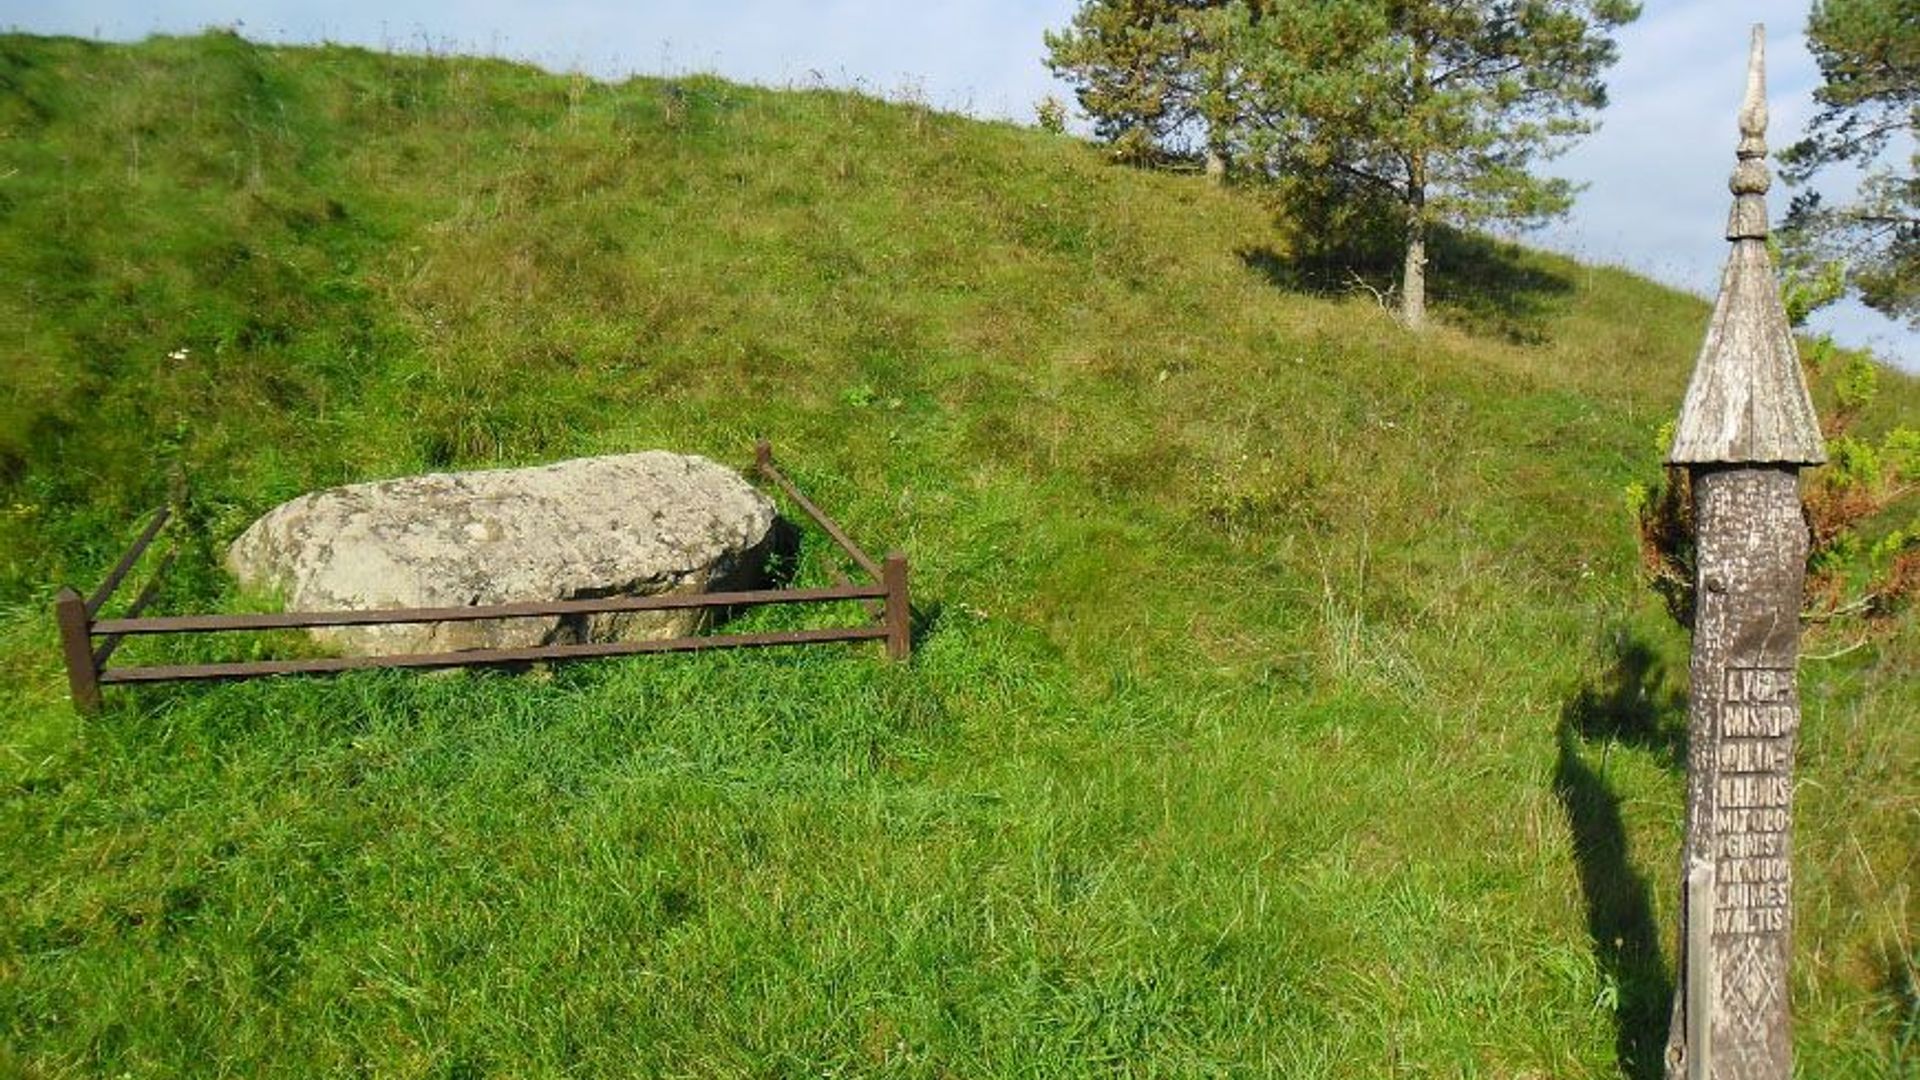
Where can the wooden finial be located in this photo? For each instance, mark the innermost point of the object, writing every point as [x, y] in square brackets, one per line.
[1748, 401]
[1753, 109]
[1750, 178]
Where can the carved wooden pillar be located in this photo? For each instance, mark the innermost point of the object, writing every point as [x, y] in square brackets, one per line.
[1744, 433]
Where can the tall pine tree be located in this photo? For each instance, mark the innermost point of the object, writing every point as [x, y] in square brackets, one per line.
[1442, 108]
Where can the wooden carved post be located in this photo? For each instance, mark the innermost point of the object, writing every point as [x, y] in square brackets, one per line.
[1746, 429]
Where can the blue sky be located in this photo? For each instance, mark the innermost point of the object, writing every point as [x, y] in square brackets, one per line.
[1656, 171]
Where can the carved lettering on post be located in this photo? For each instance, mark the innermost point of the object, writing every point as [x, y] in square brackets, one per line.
[1746, 429]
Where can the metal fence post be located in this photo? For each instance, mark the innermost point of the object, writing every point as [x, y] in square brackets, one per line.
[76, 647]
[899, 613]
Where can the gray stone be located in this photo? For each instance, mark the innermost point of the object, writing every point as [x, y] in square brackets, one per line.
[640, 524]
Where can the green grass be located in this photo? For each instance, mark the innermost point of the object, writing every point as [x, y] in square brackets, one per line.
[1285, 700]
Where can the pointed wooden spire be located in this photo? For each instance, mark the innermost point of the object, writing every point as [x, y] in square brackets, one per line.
[1748, 401]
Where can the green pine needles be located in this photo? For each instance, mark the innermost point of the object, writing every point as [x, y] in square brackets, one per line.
[1869, 57]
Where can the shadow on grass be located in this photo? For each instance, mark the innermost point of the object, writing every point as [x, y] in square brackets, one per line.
[1633, 703]
[782, 562]
[1479, 283]
[927, 618]
[1630, 704]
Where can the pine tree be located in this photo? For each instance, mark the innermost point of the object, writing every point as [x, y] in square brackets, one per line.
[1441, 108]
[1153, 75]
[1869, 57]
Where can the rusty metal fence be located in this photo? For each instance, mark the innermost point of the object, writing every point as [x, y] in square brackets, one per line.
[88, 641]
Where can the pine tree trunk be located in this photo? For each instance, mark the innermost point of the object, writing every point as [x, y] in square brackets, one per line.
[1413, 278]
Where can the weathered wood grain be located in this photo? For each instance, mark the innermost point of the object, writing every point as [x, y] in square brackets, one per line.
[1745, 429]
[1748, 400]
[1743, 719]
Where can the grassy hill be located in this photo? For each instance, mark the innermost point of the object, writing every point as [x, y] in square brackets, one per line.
[1285, 700]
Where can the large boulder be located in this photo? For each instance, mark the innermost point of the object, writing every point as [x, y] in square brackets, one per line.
[627, 524]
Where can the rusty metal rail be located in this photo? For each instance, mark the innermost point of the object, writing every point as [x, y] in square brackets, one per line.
[120, 569]
[884, 595]
[763, 461]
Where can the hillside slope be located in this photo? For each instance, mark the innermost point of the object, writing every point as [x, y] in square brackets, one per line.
[1285, 703]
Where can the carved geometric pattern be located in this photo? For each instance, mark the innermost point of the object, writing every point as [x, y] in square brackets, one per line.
[1754, 969]
[1752, 985]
